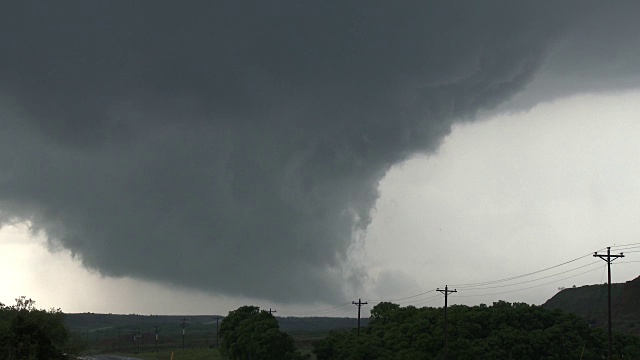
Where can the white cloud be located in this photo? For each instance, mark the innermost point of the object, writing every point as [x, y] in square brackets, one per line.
[513, 194]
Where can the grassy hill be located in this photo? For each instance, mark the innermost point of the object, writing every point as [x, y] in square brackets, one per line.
[590, 302]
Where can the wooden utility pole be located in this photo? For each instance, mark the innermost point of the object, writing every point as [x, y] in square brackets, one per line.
[446, 293]
[272, 311]
[139, 340]
[359, 305]
[184, 324]
[609, 258]
[217, 317]
[156, 327]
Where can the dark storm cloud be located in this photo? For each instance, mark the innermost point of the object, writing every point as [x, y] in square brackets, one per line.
[601, 52]
[237, 146]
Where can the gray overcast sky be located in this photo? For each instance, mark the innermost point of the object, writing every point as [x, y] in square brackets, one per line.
[193, 158]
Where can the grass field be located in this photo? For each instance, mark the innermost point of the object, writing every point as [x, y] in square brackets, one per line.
[128, 335]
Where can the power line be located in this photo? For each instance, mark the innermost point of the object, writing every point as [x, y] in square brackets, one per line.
[622, 245]
[424, 302]
[414, 302]
[478, 286]
[493, 284]
[625, 248]
[531, 287]
[407, 297]
[468, 286]
[529, 281]
[322, 311]
[521, 276]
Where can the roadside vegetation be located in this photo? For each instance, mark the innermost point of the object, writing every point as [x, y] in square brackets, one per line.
[502, 331]
[28, 333]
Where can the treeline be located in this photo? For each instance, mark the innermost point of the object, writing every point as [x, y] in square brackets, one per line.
[502, 331]
[27, 333]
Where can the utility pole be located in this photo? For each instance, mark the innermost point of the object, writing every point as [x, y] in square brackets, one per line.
[139, 340]
[609, 258]
[217, 317]
[446, 293]
[359, 305]
[136, 335]
[156, 327]
[271, 311]
[184, 324]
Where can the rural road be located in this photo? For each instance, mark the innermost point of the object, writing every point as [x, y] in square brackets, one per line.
[108, 357]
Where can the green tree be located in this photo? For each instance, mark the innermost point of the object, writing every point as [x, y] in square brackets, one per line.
[251, 334]
[27, 333]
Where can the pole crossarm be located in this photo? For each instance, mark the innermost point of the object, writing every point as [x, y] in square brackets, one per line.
[446, 290]
[359, 303]
[608, 258]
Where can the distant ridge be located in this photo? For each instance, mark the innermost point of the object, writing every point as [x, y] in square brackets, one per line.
[94, 321]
